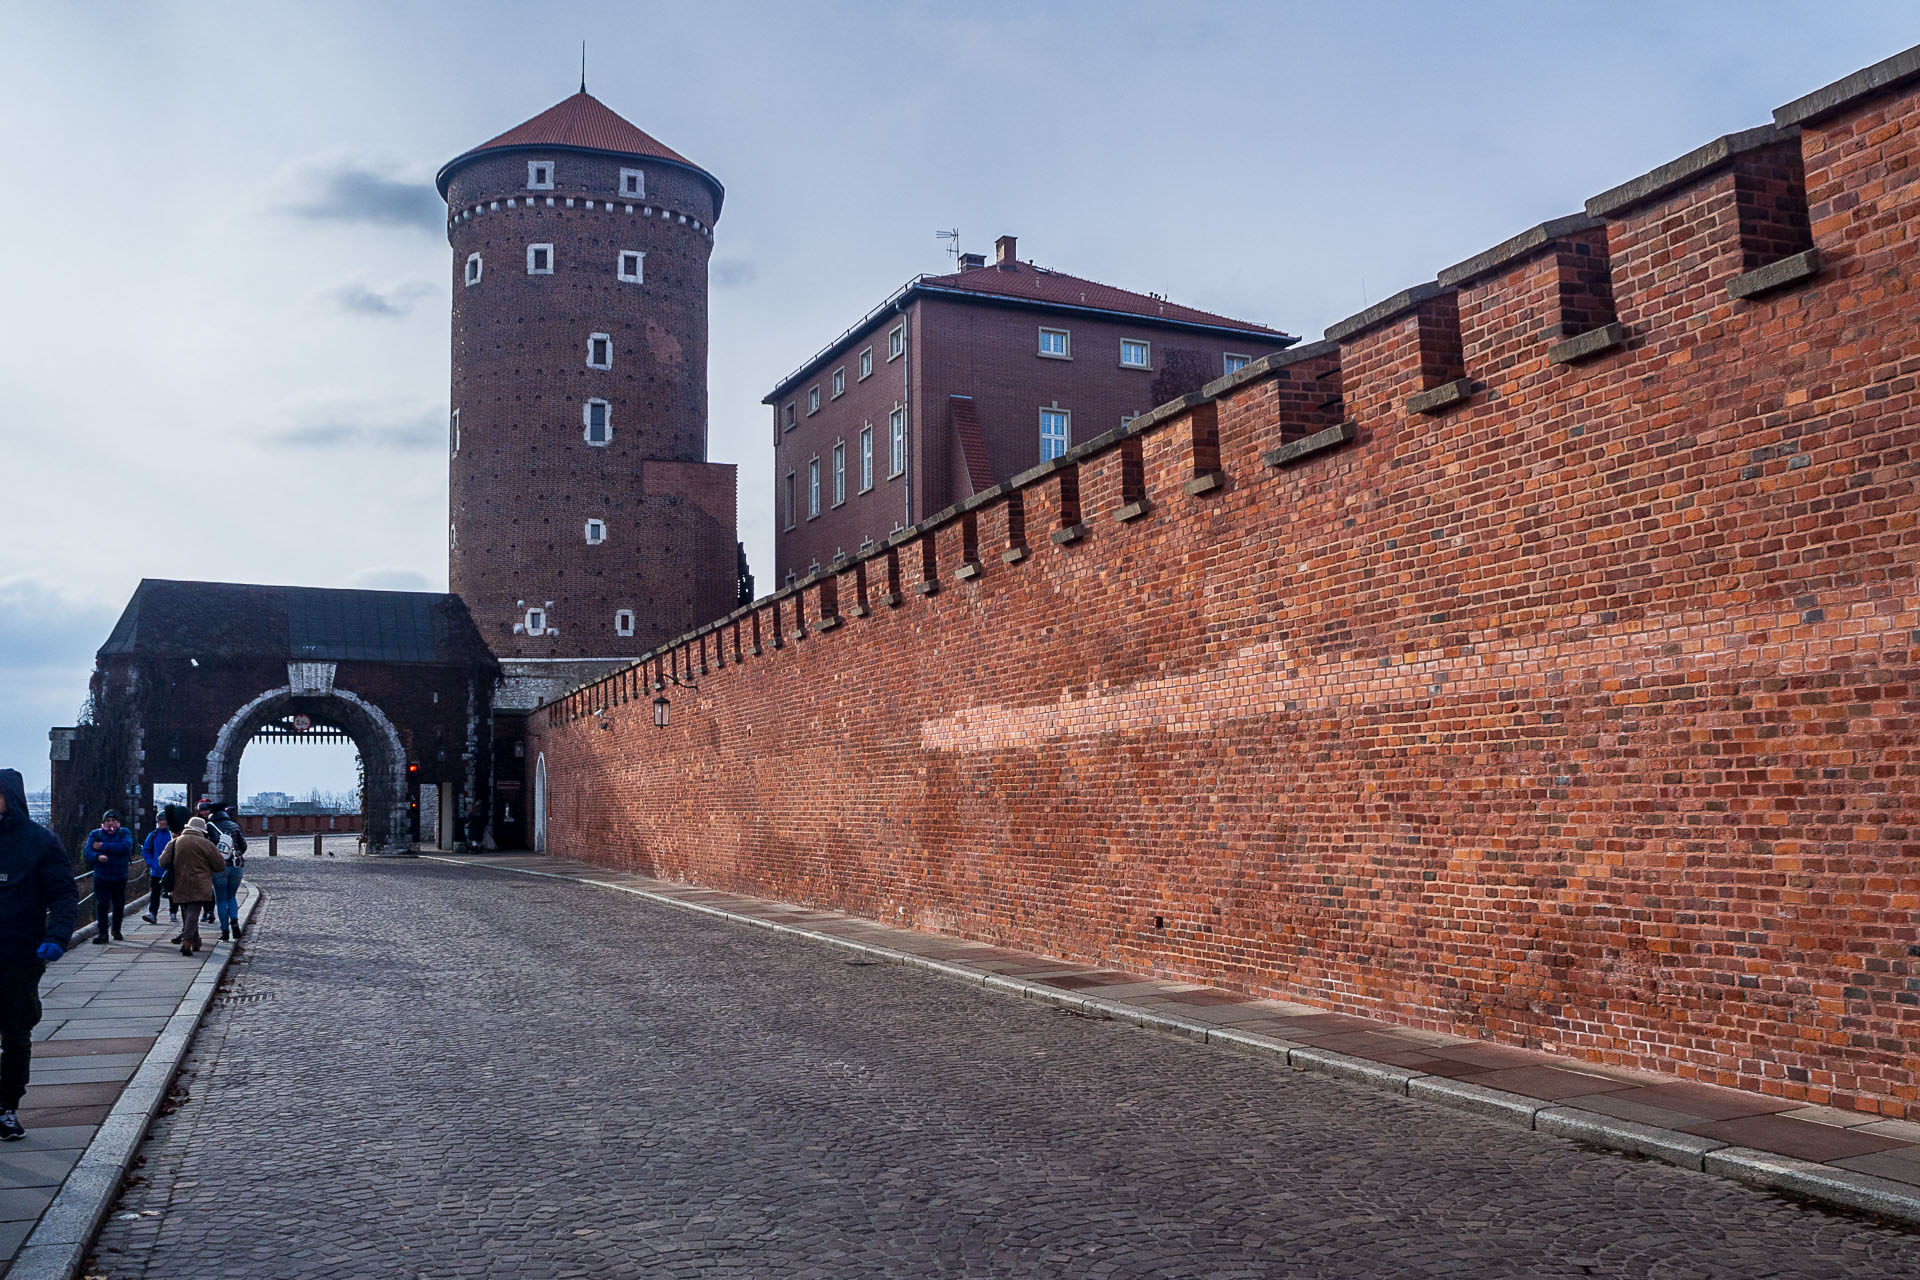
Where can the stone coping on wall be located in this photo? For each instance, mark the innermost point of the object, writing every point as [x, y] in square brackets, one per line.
[1695, 166]
[1520, 247]
[1882, 77]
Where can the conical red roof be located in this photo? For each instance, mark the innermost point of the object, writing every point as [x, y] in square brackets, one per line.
[581, 122]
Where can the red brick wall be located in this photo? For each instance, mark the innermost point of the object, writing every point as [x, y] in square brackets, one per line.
[1582, 714]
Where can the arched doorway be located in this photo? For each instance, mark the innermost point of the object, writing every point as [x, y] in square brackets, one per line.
[386, 807]
[540, 803]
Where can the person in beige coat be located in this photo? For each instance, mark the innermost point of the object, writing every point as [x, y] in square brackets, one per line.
[194, 860]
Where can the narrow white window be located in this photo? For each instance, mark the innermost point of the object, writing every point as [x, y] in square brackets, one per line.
[1135, 355]
[791, 410]
[1053, 344]
[453, 432]
[631, 261]
[536, 622]
[623, 622]
[596, 532]
[598, 417]
[866, 458]
[790, 499]
[539, 175]
[866, 363]
[897, 342]
[473, 268]
[453, 534]
[839, 472]
[1053, 433]
[1230, 362]
[599, 351]
[839, 383]
[633, 183]
[813, 487]
[813, 401]
[539, 259]
[896, 443]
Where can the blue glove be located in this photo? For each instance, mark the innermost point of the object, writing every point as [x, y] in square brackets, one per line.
[50, 951]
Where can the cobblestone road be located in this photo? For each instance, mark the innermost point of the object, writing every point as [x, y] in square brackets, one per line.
[428, 1071]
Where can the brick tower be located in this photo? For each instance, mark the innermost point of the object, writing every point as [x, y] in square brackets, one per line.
[586, 523]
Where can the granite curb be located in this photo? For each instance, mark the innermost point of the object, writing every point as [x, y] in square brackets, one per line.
[58, 1244]
[1769, 1170]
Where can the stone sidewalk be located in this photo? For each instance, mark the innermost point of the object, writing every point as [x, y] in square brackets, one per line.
[114, 1024]
[1844, 1158]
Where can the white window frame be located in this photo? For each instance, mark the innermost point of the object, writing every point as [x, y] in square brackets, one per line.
[813, 400]
[897, 443]
[813, 487]
[535, 623]
[1227, 364]
[600, 337]
[636, 189]
[1146, 354]
[596, 531]
[896, 342]
[639, 273]
[533, 270]
[793, 498]
[539, 175]
[866, 457]
[839, 473]
[1066, 343]
[1066, 431]
[606, 423]
[866, 364]
[453, 433]
[474, 267]
[839, 382]
[623, 622]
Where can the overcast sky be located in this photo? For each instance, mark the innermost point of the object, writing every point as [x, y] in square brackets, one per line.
[224, 350]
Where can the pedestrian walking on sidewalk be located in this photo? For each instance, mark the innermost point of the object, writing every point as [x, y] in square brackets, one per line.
[225, 832]
[109, 849]
[37, 906]
[194, 860]
[168, 824]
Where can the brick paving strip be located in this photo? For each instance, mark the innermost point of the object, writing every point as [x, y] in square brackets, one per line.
[1851, 1159]
[116, 1021]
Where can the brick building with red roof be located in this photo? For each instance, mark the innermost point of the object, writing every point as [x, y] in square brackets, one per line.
[960, 381]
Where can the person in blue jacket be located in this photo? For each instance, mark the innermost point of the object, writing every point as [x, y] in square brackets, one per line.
[168, 824]
[109, 849]
[37, 907]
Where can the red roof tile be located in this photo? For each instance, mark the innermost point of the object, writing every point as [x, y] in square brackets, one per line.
[1028, 282]
[580, 121]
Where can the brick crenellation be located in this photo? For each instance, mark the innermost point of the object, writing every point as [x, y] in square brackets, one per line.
[1576, 708]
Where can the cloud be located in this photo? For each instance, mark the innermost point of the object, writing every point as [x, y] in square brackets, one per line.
[391, 579]
[47, 643]
[334, 190]
[734, 273]
[364, 300]
[358, 426]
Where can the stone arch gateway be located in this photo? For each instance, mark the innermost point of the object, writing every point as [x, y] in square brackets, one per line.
[195, 670]
[387, 806]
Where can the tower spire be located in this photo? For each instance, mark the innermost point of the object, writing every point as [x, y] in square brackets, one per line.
[583, 66]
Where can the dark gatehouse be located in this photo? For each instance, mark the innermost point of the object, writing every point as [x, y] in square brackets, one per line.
[194, 671]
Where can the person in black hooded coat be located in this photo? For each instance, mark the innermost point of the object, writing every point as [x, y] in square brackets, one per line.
[38, 903]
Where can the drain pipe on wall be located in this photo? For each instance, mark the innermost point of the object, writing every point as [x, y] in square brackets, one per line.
[906, 409]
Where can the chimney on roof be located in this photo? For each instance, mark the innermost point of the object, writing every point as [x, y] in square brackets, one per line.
[1003, 254]
[972, 261]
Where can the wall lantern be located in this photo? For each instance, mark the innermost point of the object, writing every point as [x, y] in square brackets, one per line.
[660, 708]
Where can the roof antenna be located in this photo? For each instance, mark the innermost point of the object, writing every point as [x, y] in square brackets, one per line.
[583, 66]
[953, 241]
